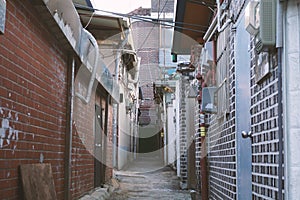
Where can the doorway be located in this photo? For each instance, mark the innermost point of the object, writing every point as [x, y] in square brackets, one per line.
[100, 144]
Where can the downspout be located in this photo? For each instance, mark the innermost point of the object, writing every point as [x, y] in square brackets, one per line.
[203, 160]
[165, 147]
[228, 21]
[115, 105]
[211, 30]
[87, 98]
[68, 136]
[216, 24]
[279, 46]
[136, 122]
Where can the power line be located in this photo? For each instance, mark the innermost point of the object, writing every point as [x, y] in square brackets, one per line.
[146, 19]
[159, 13]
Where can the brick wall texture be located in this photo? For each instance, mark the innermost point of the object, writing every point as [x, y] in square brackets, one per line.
[221, 136]
[33, 106]
[264, 126]
[222, 140]
[32, 98]
[146, 41]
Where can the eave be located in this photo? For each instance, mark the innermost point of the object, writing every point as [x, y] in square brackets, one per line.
[192, 20]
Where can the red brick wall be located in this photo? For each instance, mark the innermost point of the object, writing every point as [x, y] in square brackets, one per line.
[32, 98]
[84, 136]
[82, 179]
[33, 102]
[82, 160]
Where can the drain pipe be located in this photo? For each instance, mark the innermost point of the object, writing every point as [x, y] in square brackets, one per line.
[68, 136]
[279, 46]
[228, 21]
[87, 98]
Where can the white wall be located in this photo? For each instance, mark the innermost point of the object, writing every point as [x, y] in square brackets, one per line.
[177, 103]
[291, 70]
[124, 135]
[171, 148]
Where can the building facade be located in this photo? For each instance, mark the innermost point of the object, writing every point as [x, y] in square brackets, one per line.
[249, 135]
[57, 97]
[34, 88]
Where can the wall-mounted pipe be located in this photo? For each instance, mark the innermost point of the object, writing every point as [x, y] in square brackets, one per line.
[211, 30]
[279, 44]
[216, 23]
[228, 21]
[87, 98]
[69, 132]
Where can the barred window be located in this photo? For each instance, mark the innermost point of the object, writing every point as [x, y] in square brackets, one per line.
[222, 93]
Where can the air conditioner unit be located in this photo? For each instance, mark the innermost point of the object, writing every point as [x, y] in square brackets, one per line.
[260, 21]
[208, 100]
[267, 25]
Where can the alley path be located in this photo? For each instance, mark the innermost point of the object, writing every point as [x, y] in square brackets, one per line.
[147, 179]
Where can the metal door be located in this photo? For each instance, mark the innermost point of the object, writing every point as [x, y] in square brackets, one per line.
[99, 166]
[243, 100]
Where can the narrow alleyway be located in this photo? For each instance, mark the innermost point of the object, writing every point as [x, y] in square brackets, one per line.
[146, 178]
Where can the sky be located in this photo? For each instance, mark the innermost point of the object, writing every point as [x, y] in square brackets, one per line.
[120, 6]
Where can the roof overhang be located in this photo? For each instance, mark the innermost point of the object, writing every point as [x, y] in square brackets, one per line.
[191, 23]
[101, 26]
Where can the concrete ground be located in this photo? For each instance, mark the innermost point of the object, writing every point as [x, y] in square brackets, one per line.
[146, 179]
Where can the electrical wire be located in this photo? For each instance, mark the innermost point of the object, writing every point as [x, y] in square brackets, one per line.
[146, 19]
[159, 13]
[88, 23]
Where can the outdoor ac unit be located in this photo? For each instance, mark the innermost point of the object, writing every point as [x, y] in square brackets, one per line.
[260, 21]
[267, 27]
[208, 100]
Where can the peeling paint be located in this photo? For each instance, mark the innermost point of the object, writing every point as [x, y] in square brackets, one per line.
[15, 147]
[41, 158]
[7, 131]
[2, 133]
[5, 123]
[16, 133]
[9, 115]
